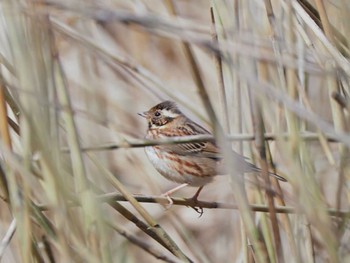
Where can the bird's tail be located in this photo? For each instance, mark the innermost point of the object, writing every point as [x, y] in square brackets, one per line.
[253, 168]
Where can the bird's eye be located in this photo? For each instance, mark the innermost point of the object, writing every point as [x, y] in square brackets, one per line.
[157, 114]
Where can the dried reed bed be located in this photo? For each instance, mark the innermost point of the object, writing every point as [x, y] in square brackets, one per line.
[272, 78]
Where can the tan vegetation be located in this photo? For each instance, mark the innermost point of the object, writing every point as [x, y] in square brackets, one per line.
[270, 78]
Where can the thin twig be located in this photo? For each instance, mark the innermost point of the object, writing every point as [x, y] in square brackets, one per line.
[111, 198]
[337, 56]
[261, 147]
[152, 223]
[210, 205]
[241, 45]
[138, 143]
[142, 244]
[7, 238]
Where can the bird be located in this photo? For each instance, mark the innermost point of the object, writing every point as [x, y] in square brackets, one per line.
[189, 164]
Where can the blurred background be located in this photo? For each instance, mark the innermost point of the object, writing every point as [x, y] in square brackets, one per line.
[74, 74]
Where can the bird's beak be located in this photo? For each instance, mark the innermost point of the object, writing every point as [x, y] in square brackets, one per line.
[143, 114]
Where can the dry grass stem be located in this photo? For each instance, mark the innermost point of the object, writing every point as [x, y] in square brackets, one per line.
[269, 79]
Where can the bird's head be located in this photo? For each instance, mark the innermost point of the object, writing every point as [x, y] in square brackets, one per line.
[162, 114]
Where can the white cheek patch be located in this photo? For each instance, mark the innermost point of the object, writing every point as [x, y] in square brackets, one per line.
[170, 114]
[154, 126]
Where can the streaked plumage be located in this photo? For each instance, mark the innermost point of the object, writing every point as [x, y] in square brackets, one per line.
[194, 164]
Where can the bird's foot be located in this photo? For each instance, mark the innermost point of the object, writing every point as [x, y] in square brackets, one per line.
[170, 201]
[198, 209]
[170, 192]
[194, 204]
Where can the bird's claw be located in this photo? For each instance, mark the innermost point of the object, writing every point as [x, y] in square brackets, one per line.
[171, 202]
[194, 205]
[198, 209]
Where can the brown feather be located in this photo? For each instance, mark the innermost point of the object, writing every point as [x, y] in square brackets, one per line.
[166, 120]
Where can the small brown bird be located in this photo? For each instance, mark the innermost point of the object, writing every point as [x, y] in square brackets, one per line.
[193, 164]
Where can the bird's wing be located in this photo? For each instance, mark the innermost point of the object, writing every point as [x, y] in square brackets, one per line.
[199, 149]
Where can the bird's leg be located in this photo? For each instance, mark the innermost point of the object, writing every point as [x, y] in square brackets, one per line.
[194, 199]
[170, 192]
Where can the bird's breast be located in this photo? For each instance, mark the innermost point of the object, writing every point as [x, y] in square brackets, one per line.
[177, 168]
